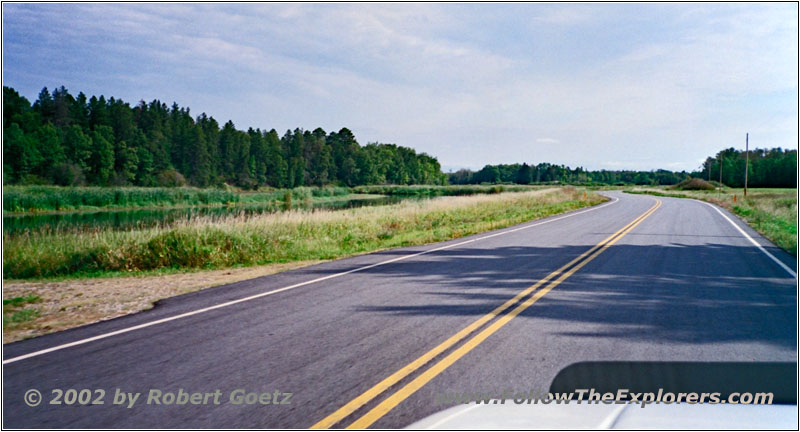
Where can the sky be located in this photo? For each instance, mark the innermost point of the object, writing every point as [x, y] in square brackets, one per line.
[602, 86]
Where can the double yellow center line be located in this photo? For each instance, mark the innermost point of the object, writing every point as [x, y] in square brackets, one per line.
[551, 281]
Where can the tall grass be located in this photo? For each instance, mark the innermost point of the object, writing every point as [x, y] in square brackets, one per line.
[22, 199]
[279, 237]
[56, 198]
[773, 216]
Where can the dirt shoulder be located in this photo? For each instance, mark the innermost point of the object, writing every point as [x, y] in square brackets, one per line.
[66, 304]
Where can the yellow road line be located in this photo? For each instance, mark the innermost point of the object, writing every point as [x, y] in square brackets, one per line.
[396, 377]
[392, 401]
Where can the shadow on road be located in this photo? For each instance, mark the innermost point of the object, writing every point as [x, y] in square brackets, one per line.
[695, 294]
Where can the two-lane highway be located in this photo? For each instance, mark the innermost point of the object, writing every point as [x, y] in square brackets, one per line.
[374, 340]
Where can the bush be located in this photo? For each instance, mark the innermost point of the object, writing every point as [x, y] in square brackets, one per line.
[33, 180]
[694, 184]
[170, 178]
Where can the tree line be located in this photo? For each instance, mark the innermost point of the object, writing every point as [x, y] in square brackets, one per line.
[550, 173]
[74, 140]
[767, 168]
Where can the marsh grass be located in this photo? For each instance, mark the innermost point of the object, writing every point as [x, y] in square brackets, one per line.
[39, 199]
[21, 199]
[56, 198]
[208, 243]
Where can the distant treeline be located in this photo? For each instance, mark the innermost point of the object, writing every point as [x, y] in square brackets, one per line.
[768, 168]
[66, 140]
[549, 173]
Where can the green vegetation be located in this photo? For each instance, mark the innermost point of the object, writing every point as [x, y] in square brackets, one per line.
[546, 173]
[432, 190]
[67, 209]
[13, 312]
[31, 199]
[771, 212]
[74, 140]
[21, 301]
[57, 198]
[278, 237]
[768, 168]
[694, 184]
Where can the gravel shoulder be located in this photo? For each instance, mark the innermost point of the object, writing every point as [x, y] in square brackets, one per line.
[72, 303]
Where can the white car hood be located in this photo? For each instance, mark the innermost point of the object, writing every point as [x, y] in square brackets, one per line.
[600, 416]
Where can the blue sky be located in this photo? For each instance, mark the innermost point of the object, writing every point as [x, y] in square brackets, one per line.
[633, 86]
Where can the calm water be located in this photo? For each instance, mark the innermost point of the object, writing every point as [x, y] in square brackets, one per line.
[127, 219]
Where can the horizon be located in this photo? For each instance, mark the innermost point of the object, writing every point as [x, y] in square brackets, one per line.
[618, 87]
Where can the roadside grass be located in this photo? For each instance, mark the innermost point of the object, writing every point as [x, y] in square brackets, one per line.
[15, 313]
[770, 211]
[296, 235]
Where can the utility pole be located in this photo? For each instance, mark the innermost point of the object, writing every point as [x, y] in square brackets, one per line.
[746, 160]
[720, 173]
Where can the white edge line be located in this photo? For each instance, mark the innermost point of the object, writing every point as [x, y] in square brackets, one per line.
[761, 248]
[297, 285]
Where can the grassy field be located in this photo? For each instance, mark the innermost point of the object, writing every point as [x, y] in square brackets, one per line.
[279, 237]
[771, 212]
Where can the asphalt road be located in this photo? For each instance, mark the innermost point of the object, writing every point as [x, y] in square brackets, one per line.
[683, 284]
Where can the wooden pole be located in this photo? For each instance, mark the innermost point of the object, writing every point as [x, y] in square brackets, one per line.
[746, 160]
